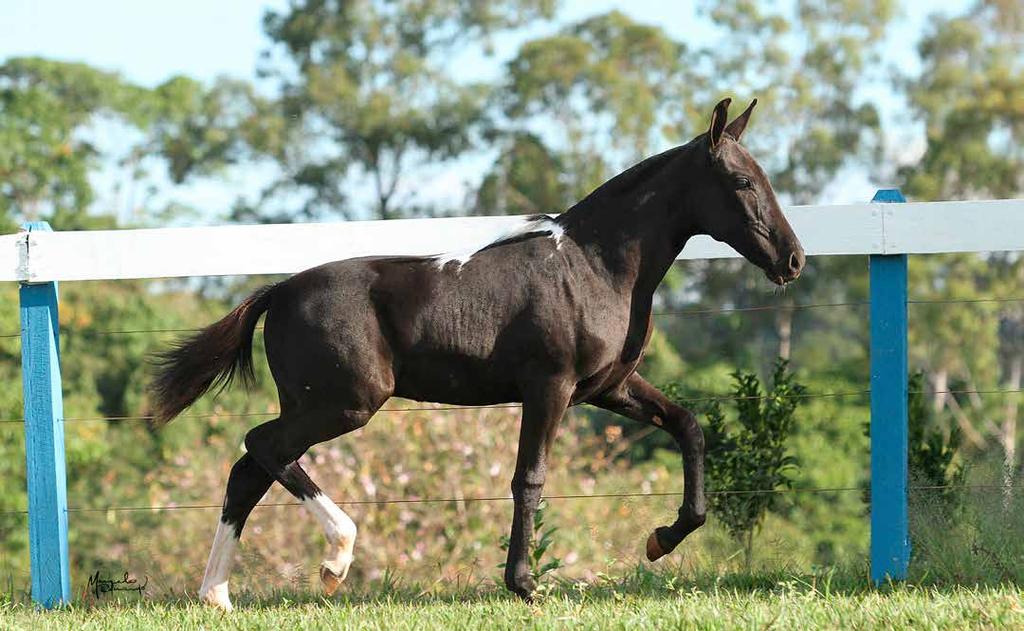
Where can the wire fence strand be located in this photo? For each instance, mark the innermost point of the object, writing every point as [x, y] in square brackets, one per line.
[777, 307]
[453, 408]
[657, 312]
[506, 498]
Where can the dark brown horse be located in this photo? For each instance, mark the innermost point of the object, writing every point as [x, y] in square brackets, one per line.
[557, 313]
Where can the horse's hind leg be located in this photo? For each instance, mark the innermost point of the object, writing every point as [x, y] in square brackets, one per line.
[277, 446]
[247, 483]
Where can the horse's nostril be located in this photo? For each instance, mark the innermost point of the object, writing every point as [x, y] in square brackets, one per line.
[796, 262]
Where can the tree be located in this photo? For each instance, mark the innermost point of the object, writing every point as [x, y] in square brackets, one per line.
[45, 159]
[368, 89]
[804, 63]
[54, 117]
[937, 332]
[605, 77]
[200, 130]
[527, 178]
[968, 94]
[52, 112]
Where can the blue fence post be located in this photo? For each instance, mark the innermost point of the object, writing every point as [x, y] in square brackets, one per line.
[890, 538]
[44, 441]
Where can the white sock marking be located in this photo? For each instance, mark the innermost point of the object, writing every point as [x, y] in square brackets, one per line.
[339, 529]
[214, 590]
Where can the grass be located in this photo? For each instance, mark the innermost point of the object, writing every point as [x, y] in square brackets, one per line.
[967, 571]
[642, 599]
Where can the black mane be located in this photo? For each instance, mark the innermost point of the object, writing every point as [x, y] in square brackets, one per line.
[635, 175]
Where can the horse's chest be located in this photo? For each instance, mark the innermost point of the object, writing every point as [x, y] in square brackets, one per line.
[610, 351]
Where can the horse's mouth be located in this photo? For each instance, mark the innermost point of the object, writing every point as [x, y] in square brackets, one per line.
[785, 271]
[779, 279]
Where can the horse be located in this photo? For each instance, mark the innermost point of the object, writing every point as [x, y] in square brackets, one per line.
[555, 314]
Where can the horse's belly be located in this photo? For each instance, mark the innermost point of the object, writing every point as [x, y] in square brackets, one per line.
[455, 380]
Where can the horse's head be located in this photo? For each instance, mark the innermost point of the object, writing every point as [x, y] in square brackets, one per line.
[736, 204]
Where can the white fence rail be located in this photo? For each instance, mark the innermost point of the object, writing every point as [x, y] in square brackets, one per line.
[912, 228]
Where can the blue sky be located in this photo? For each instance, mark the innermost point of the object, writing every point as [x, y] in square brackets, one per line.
[149, 41]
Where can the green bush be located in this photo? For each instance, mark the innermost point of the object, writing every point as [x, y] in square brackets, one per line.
[747, 456]
[932, 453]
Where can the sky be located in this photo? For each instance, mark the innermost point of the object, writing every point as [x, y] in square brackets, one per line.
[150, 41]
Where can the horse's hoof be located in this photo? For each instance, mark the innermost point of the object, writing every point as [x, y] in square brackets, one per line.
[217, 598]
[654, 549]
[524, 592]
[522, 586]
[331, 579]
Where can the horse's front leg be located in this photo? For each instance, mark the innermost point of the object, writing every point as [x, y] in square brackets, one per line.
[542, 410]
[639, 400]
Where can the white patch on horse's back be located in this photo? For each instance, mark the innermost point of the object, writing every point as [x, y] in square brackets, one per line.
[214, 590]
[461, 257]
[526, 226]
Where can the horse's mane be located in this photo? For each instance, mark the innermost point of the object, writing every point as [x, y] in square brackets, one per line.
[635, 175]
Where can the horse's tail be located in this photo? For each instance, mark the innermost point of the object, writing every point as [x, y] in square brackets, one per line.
[211, 357]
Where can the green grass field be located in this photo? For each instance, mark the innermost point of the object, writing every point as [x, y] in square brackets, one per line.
[640, 600]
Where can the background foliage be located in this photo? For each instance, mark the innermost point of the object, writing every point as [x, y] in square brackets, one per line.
[360, 96]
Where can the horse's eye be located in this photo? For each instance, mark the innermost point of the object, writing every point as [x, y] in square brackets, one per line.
[742, 182]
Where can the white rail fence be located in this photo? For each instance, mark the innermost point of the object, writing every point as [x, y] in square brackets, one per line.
[912, 228]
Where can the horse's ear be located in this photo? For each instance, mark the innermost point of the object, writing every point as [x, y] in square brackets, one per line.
[718, 120]
[735, 128]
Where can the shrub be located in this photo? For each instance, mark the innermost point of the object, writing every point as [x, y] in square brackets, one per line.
[932, 453]
[746, 458]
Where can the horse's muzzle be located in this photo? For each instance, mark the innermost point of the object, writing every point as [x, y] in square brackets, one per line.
[788, 268]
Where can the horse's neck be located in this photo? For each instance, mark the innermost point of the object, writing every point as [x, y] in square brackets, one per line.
[635, 236]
